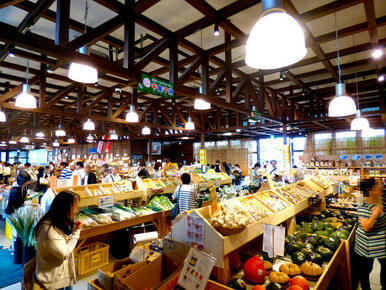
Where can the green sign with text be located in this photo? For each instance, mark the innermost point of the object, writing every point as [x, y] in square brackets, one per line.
[256, 117]
[156, 86]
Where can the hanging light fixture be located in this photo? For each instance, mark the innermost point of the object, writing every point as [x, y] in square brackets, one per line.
[216, 31]
[146, 130]
[132, 116]
[24, 139]
[40, 135]
[381, 78]
[55, 143]
[113, 135]
[276, 40]
[3, 118]
[341, 105]
[89, 125]
[83, 73]
[12, 142]
[90, 137]
[60, 132]
[189, 125]
[281, 76]
[377, 53]
[71, 140]
[25, 99]
[359, 123]
[200, 104]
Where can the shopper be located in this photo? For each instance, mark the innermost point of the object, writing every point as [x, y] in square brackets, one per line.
[90, 177]
[257, 177]
[238, 174]
[142, 166]
[47, 171]
[79, 171]
[272, 168]
[187, 194]
[217, 166]
[157, 171]
[56, 235]
[51, 166]
[141, 174]
[42, 181]
[7, 173]
[1, 171]
[370, 236]
[65, 172]
[115, 177]
[226, 168]
[18, 192]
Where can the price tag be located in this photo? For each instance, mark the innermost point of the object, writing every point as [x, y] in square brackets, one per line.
[213, 199]
[202, 186]
[273, 240]
[106, 201]
[217, 183]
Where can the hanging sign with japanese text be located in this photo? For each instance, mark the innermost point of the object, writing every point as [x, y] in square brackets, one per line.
[256, 117]
[155, 86]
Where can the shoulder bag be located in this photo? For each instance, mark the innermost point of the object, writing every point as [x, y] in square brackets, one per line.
[176, 209]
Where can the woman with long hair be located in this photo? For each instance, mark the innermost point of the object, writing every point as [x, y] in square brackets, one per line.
[57, 234]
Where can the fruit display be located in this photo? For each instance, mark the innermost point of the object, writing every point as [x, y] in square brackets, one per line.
[278, 277]
[255, 207]
[229, 192]
[311, 270]
[273, 201]
[299, 281]
[124, 186]
[268, 266]
[290, 269]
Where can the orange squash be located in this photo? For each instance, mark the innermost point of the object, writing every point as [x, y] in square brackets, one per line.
[299, 281]
[258, 287]
[234, 260]
[295, 287]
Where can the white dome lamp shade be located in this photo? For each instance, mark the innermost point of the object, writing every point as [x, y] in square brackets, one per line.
[55, 144]
[83, 73]
[132, 116]
[40, 135]
[89, 125]
[90, 138]
[3, 118]
[359, 123]
[25, 99]
[277, 40]
[341, 105]
[113, 135]
[146, 130]
[70, 140]
[60, 132]
[24, 139]
[200, 104]
[189, 125]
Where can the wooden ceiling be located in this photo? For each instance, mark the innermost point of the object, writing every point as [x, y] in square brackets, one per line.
[173, 39]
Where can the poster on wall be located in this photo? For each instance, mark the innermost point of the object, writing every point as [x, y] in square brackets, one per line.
[156, 148]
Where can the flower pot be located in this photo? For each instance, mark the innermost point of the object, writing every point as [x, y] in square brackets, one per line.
[29, 252]
[17, 251]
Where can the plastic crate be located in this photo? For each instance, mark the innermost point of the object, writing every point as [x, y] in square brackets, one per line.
[91, 257]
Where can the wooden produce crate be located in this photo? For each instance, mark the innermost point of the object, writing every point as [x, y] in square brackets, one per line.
[95, 285]
[124, 185]
[225, 179]
[159, 185]
[86, 197]
[91, 257]
[110, 189]
[170, 187]
[106, 273]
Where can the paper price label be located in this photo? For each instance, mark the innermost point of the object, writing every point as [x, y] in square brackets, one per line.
[202, 186]
[217, 183]
[213, 199]
[106, 201]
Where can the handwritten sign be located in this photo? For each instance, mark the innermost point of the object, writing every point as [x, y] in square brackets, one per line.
[106, 201]
[213, 199]
[217, 183]
[202, 186]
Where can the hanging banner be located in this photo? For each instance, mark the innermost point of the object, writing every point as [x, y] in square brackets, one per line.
[100, 145]
[203, 157]
[155, 86]
[256, 117]
[286, 154]
[213, 199]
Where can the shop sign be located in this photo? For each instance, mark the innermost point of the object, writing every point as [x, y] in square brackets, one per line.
[368, 156]
[106, 201]
[343, 157]
[203, 157]
[155, 86]
[213, 199]
[356, 157]
[378, 156]
[256, 117]
[286, 154]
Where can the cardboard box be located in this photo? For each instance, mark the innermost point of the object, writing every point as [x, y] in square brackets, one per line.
[106, 273]
[94, 285]
[131, 268]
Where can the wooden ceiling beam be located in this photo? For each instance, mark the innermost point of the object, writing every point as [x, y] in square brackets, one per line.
[62, 24]
[60, 95]
[99, 98]
[184, 77]
[160, 47]
[6, 3]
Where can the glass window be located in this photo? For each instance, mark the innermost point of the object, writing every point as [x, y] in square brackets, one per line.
[271, 149]
[3, 156]
[345, 134]
[373, 133]
[299, 143]
[322, 136]
[38, 157]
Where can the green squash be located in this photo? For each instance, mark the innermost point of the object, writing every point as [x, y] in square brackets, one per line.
[339, 234]
[330, 226]
[312, 240]
[305, 224]
[307, 252]
[298, 258]
[318, 226]
[237, 284]
[294, 247]
[316, 258]
[300, 235]
[298, 227]
[329, 230]
[274, 286]
[307, 230]
[308, 246]
[321, 234]
[324, 252]
[290, 239]
[331, 242]
[344, 231]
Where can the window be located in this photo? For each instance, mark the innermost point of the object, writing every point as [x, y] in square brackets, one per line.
[299, 143]
[38, 157]
[373, 133]
[323, 136]
[271, 149]
[345, 134]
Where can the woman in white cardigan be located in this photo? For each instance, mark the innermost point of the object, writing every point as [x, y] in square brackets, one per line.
[57, 234]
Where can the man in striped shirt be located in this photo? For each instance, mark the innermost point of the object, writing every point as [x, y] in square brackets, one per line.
[187, 194]
[370, 237]
[66, 171]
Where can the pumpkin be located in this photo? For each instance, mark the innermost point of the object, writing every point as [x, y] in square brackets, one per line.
[311, 270]
[258, 287]
[234, 260]
[290, 269]
[295, 287]
[278, 277]
[299, 281]
[254, 270]
[267, 266]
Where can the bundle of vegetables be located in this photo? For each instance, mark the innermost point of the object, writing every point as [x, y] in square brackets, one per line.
[120, 214]
[102, 218]
[143, 210]
[160, 202]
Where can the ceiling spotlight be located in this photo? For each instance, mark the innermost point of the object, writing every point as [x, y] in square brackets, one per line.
[189, 125]
[132, 116]
[146, 130]
[381, 78]
[200, 104]
[281, 76]
[277, 40]
[83, 73]
[377, 53]
[11, 52]
[89, 125]
[216, 31]
[117, 90]
[24, 139]
[40, 135]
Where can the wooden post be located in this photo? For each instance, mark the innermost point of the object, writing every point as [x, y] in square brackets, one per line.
[224, 274]
[149, 144]
[128, 35]
[62, 22]
[228, 77]
[291, 225]
[202, 140]
[42, 90]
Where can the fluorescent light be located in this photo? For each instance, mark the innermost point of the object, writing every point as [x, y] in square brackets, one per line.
[238, 130]
[40, 135]
[3, 118]
[71, 140]
[146, 130]
[359, 123]
[12, 142]
[55, 144]
[132, 116]
[276, 40]
[228, 134]
[200, 104]
[113, 135]
[25, 99]
[189, 125]
[341, 105]
[377, 53]
[216, 31]
[89, 125]
[24, 139]
[83, 73]
[185, 138]
[381, 78]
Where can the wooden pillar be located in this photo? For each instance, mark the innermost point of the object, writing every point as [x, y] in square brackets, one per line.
[42, 91]
[228, 77]
[62, 22]
[149, 144]
[173, 61]
[205, 75]
[128, 35]
[284, 133]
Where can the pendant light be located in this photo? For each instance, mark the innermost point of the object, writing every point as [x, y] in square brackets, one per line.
[359, 123]
[146, 130]
[89, 125]
[90, 138]
[216, 30]
[132, 116]
[113, 135]
[277, 40]
[200, 104]
[24, 139]
[12, 142]
[60, 132]
[341, 105]
[3, 118]
[71, 140]
[40, 135]
[55, 143]
[25, 99]
[83, 73]
[189, 125]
